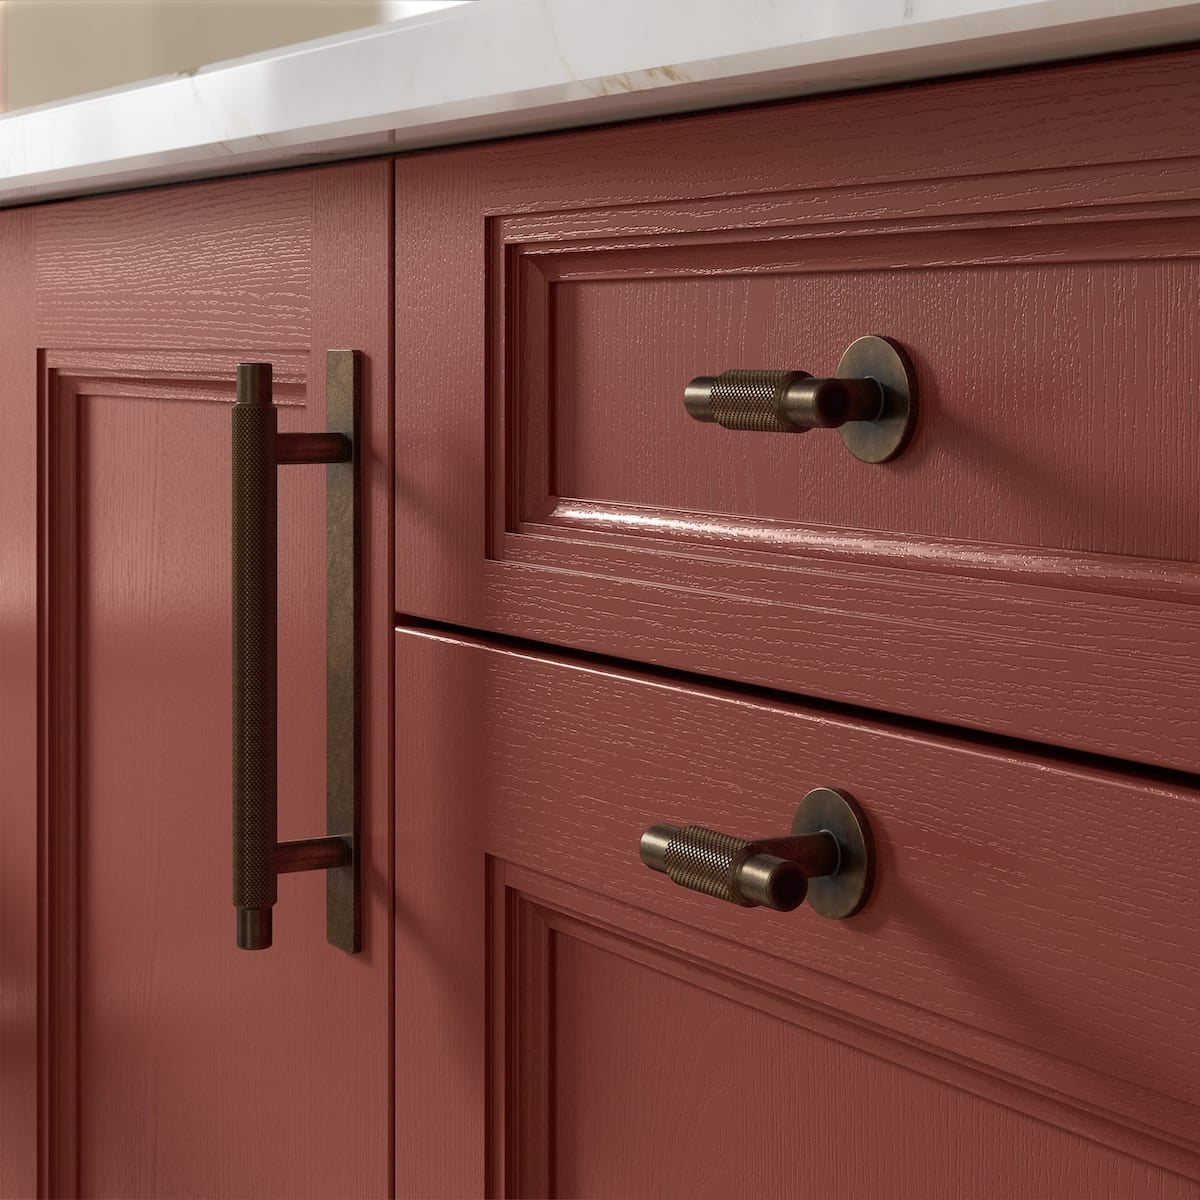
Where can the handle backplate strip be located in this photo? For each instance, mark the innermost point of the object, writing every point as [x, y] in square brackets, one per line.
[343, 884]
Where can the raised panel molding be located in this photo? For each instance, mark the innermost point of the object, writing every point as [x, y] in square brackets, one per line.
[532, 912]
[1100, 636]
[717, 240]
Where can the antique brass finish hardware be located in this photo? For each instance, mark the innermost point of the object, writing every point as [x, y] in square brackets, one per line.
[829, 857]
[871, 400]
[258, 449]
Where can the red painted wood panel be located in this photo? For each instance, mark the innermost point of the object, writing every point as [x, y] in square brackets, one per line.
[1029, 566]
[1018, 993]
[18, 711]
[155, 269]
[173, 1063]
[707, 1096]
[1078, 438]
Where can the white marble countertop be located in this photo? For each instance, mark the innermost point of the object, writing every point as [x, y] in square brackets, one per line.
[492, 68]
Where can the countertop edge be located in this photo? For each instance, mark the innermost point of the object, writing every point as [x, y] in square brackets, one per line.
[274, 111]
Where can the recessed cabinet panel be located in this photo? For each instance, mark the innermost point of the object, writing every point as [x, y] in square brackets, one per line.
[737, 1097]
[1029, 563]
[1057, 396]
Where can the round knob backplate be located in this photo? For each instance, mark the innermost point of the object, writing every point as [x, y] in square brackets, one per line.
[842, 894]
[885, 361]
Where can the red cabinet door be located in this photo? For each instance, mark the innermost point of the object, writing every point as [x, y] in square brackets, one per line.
[1011, 1015]
[144, 1055]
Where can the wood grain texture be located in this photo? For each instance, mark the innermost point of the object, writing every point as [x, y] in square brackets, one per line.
[940, 131]
[1033, 940]
[440, 933]
[18, 711]
[163, 268]
[1030, 566]
[710, 1097]
[175, 1064]
[1057, 402]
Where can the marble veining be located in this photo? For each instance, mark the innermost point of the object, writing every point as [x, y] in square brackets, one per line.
[499, 67]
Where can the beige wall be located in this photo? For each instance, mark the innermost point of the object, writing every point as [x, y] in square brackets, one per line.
[3, 58]
[60, 48]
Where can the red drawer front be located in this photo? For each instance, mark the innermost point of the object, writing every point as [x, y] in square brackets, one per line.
[1011, 1014]
[1027, 565]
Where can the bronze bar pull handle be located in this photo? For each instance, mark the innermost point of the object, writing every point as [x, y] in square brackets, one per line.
[871, 400]
[829, 857]
[258, 857]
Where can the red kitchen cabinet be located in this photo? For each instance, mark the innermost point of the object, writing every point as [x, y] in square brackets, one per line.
[585, 614]
[155, 1058]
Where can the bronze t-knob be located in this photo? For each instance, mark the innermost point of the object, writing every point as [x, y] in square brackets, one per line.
[871, 400]
[828, 858]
